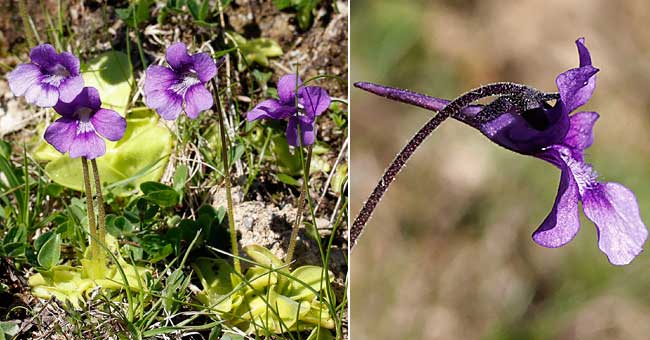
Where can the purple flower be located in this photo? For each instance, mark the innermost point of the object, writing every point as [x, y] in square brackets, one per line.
[552, 134]
[83, 118]
[170, 90]
[314, 100]
[50, 77]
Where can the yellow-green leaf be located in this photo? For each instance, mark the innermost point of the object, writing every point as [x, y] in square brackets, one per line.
[311, 277]
[320, 334]
[214, 275]
[259, 277]
[263, 256]
[289, 309]
[256, 50]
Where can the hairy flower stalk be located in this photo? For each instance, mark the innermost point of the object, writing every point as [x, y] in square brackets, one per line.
[226, 174]
[304, 191]
[456, 108]
[92, 226]
[305, 181]
[96, 226]
[101, 220]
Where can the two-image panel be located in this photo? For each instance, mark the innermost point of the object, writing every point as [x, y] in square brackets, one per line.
[515, 208]
[174, 169]
[180, 169]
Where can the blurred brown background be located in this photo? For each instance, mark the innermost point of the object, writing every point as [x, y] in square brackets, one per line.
[448, 254]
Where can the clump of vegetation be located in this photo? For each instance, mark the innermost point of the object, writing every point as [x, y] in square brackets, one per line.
[146, 249]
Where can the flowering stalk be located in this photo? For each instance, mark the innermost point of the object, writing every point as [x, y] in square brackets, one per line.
[92, 227]
[300, 105]
[101, 221]
[305, 180]
[454, 108]
[301, 203]
[226, 173]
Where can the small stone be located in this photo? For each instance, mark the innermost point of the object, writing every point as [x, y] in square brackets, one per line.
[247, 222]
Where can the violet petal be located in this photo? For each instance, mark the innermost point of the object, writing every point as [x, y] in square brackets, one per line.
[615, 211]
[197, 99]
[580, 135]
[44, 55]
[70, 88]
[583, 52]
[61, 133]
[168, 104]
[90, 98]
[204, 66]
[158, 78]
[87, 98]
[563, 222]
[41, 94]
[109, 124]
[23, 77]
[70, 62]
[87, 144]
[263, 110]
[157, 94]
[287, 89]
[576, 86]
[306, 129]
[283, 112]
[315, 100]
[177, 57]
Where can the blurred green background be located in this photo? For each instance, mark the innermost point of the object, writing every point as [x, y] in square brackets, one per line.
[448, 254]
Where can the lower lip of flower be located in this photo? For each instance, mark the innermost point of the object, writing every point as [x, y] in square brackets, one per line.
[83, 115]
[84, 127]
[584, 175]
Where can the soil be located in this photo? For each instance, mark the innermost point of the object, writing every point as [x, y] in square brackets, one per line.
[269, 225]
